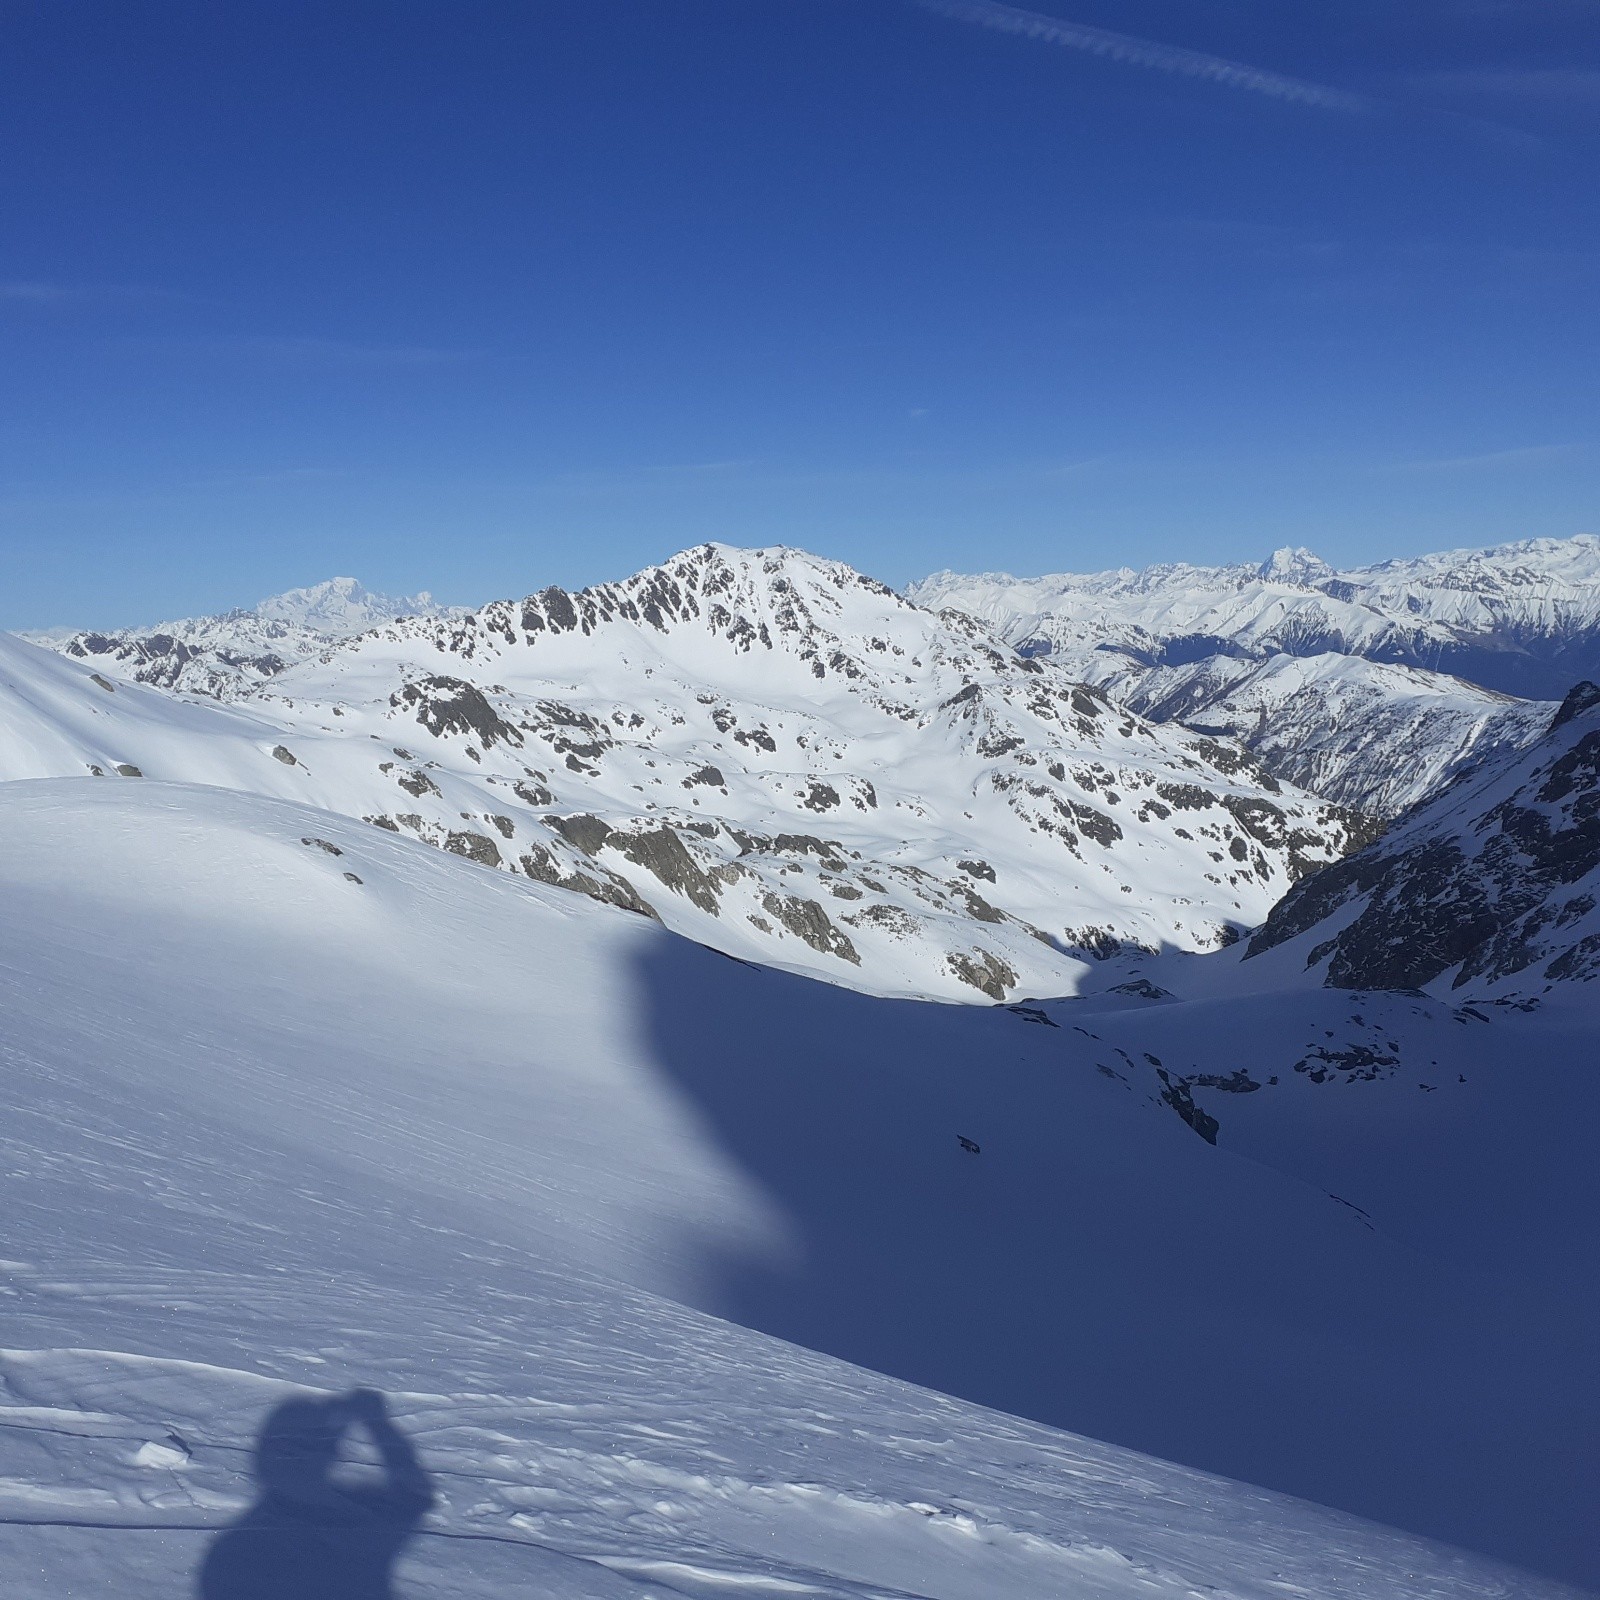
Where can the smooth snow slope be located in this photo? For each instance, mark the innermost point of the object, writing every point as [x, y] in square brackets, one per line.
[279, 1115]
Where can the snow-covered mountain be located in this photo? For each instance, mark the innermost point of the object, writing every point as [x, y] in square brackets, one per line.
[1328, 675]
[772, 753]
[1488, 890]
[294, 1104]
[226, 656]
[1374, 737]
[1523, 619]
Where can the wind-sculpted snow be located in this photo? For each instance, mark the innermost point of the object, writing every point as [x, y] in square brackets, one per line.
[1329, 676]
[1489, 889]
[296, 1106]
[224, 657]
[769, 752]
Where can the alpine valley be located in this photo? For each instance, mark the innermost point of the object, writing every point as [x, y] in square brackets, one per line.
[1140, 1145]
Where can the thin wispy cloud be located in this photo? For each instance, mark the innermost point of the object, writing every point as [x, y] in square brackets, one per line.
[299, 350]
[1531, 455]
[1548, 85]
[35, 294]
[45, 292]
[1137, 52]
[306, 351]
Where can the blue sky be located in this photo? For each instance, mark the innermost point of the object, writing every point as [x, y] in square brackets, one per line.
[481, 295]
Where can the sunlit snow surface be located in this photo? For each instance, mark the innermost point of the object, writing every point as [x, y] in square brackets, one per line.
[444, 1133]
[772, 753]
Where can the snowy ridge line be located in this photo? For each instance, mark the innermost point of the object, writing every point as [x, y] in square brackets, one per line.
[1371, 686]
[222, 657]
[772, 754]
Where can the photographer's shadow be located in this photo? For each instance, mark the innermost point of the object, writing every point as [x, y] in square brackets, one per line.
[315, 1533]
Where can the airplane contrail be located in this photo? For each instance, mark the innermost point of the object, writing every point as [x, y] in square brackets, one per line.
[1145, 53]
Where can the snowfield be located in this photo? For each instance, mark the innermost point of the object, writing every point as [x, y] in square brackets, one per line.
[296, 1104]
[426, 1137]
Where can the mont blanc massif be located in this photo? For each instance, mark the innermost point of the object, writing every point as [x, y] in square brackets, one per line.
[1074, 1086]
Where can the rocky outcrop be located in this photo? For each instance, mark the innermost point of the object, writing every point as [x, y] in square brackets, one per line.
[1494, 882]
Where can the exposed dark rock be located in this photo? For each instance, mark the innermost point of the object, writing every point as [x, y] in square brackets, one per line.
[1580, 697]
[985, 971]
[1175, 1092]
[323, 844]
[1142, 989]
[540, 865]
[586, 832]
[1034, 1014]
[662, 852]
[285, 755]
[126, 769]
[417, 783]
[451, 705]
[477, 847]
[976, 906]
[808, 921]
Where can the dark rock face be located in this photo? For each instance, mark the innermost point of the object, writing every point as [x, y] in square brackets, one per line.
[1484, 880]
[451, 705]
[587, 833]
[1177, 1094]
[1580, 697]
[820, 797]
[323, 844]
[285, 755]
[126, 769]
[808, 921]
[605, 887]
[662, 852]
[417, 783]
[477, 847]
[985, 971]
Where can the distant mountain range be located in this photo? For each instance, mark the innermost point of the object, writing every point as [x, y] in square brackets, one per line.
[1370, 686]
[226, 656]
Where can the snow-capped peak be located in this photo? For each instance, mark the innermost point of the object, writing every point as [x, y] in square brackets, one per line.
[340, 606]
[1295, 564]
[224, 656]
